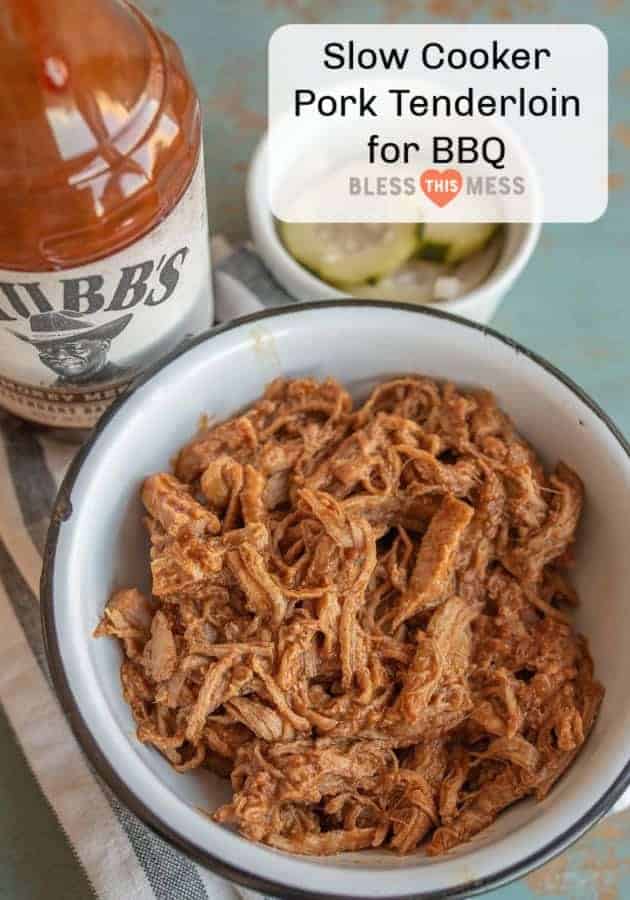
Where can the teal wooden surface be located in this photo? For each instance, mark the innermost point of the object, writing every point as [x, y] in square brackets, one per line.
[572, 305]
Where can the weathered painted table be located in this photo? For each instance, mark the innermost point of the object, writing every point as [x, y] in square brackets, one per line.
[572, 305]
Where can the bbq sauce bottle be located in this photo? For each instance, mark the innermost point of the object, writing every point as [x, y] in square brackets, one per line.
[104, 262]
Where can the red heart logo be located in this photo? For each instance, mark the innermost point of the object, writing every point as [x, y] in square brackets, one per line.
[441, 187]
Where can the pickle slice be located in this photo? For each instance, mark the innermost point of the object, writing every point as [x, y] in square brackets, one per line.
[414, 282]
[350, 253]
[451, 242]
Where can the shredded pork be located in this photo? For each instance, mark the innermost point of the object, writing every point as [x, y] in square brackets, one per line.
[361, 617]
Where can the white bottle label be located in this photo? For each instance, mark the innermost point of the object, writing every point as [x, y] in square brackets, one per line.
[72, 340]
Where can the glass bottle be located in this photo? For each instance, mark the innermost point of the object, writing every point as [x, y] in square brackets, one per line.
[104, 257]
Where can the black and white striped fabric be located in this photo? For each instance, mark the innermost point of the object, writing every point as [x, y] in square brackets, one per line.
[121, 858]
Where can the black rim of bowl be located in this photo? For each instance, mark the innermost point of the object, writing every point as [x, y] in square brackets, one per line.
[63, 510]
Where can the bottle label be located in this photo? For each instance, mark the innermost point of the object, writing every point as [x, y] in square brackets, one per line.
[72, 340]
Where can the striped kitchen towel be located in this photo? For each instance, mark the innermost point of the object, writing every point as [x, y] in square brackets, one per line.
[120, 857]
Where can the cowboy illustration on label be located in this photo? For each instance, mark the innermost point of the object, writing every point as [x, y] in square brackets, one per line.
[74, 348]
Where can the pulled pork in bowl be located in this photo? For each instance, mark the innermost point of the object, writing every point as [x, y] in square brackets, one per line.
[352, 593]
[360, 616]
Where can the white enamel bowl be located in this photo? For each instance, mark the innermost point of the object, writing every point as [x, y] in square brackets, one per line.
[96, 543]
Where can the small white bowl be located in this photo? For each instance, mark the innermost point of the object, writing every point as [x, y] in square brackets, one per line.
[479, 304]
[96, 543]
